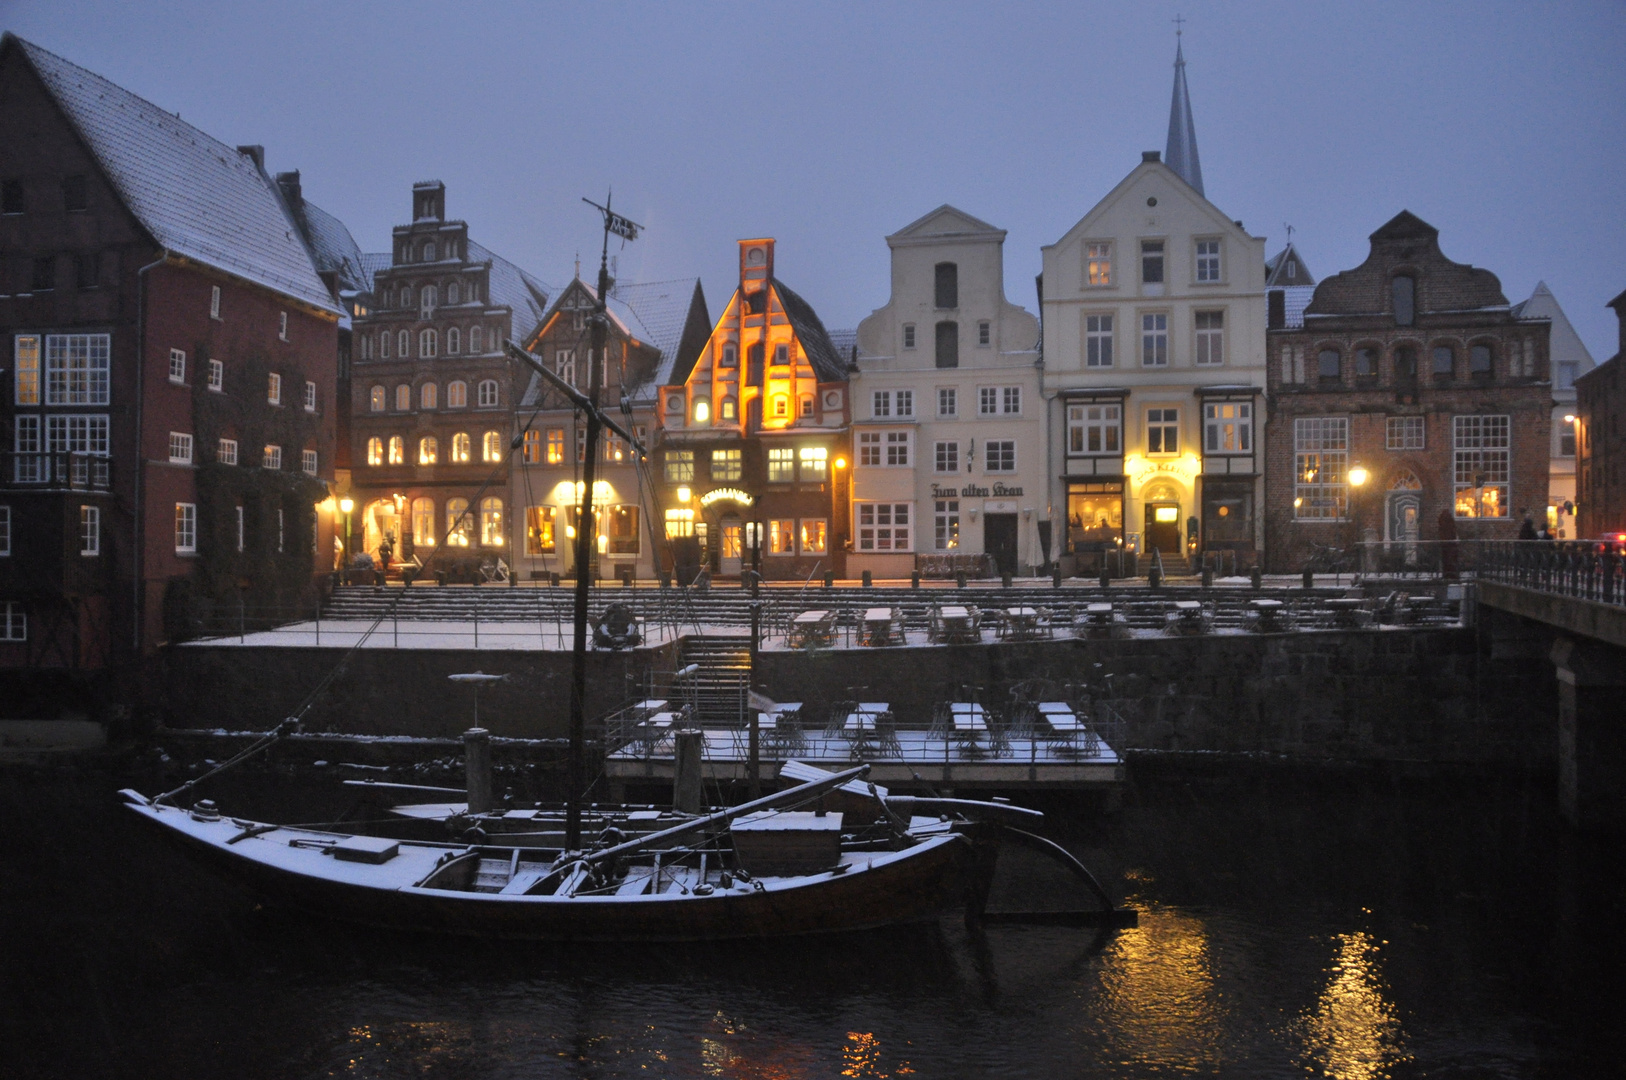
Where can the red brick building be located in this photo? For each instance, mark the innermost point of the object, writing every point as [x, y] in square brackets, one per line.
[167, 416]
[1600, 443]
[1413, 370]
[433, 392]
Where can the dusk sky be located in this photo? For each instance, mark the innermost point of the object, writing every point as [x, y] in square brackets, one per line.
[831, 125]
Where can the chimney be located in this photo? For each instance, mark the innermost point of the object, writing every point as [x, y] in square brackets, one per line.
[1276, 312]
[756, 265]
[291, 192]
[429, 201]
[255, 152]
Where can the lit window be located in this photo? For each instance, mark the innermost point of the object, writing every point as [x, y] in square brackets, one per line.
[491, 447]
[781, 537]
[725, 465]
[556, 446]
[539, 530]
[459, 523]
[461, 444]
[815, 464]
[679, 523]
[397, 450]
[429, 451]
[947, 524]
[781, 465]
[531, 447]
[180, 448]
[177, 366]
[457, 394]
[375, 451]
[273, 389]
[702, 412]
[1228, 427]
[428, 396]
[226, 451]
[1098, 264]
[217, 375]
[730, 410]
[1320, 464]
[815, 536]
[423, 522]
[26, 360]
[680, 466]
[403, 397]
[491, 522]
[1481, 448]
[272, 457]
[621, 526]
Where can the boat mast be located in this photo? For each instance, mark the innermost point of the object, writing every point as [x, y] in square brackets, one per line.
[586, 526]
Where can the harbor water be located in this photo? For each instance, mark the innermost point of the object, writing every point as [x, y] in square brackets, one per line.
[1292, 924]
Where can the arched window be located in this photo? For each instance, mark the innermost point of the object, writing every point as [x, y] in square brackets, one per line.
[1327, 364]
[429, 251]
[488, 393]
[427, 342]
[1445, 359]
[458, 525]
[460, 447]
[423, 522]
[1479, 360]
[375, 399]
[428, 396]
[781, 405]
[397, 450]
[474, 339]
[451, 292]
[454, 342]
[428, 450]
[491, 531]
[406, 296]
[428, 296]
[492, 447]
[457, 394]
[1403, 289]
[375, 451]
[403, 343]
[403, 397]
[729, 409]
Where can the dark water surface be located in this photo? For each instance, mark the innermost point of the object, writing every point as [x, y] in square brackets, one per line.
[1291, 926]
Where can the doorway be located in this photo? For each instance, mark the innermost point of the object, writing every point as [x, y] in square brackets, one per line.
[1163, 527]
[999, 540]
[728, 556]
[1404, 522]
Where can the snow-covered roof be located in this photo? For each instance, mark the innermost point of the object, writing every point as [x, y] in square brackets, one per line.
[196, 196]
[335, 250]
[513, 288]
[656, 312]
[845, 342]
[1296, 298]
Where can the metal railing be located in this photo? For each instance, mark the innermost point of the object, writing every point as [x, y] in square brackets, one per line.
[1585, 570]
[55, 471]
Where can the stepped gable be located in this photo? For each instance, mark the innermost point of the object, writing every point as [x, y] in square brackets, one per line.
[1407, 243]
[196, 196]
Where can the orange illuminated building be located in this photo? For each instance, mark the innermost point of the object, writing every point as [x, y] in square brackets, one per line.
[753, 449]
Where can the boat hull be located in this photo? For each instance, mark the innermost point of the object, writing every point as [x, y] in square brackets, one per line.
[875, 889]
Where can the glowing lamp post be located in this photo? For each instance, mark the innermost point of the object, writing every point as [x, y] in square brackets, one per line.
[1358, 477]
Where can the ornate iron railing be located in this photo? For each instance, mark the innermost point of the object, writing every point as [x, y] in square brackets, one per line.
[1585, 570]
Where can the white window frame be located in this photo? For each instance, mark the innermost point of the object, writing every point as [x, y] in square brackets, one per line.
[1166, 419]
[186, 528]
[273, 389]
[1098, 265]
[999, 456]
[946, 524]
[1098, 339]
[457, 394]
[1320, 468]
[1094, 429]
[76, 433]
[869, 449]
[282, 325]
[77, 369]
[885, 526]
[781, 465]
[1482, 445]
[1010, 401]
[239, 516]
[310, 396]
[214, 302]
[1405, 433]
[180, 448]
[1227, 428]
[948, 402]
[985, 333]
[5, 530]
[946, 456]
[13, 621]
[428, 343]
[1154, 339]
[899, 449]
[908, 335]
[813, 464]
[217, 376]
[489, 394]
[272, 457]
[90, 531]
[1208, 341]
[881, 404]
[226, 451]
[1209, 265]
[987, 401]
[308, 462]
[903, 402]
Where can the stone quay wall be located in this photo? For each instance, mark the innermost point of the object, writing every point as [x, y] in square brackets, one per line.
[1425, 696]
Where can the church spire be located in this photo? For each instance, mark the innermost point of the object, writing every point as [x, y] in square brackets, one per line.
[1181, 153]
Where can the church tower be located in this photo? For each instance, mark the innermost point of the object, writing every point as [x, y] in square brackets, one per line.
[1181, 152]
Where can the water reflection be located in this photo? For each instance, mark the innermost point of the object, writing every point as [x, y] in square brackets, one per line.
[1353, 1032]
[1158, 991]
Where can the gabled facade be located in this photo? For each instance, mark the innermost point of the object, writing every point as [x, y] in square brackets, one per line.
[1154, 368]
[754, 437]
[1601, 441]
[1569, 361]
[168, 415]
[433, 395]
[654, 328]
[948, 423]
[1415, 369]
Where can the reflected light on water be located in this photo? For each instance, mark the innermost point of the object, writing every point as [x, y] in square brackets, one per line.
[1353, 1032]
[732, 1051]
[1158, 986]
[861, 1059]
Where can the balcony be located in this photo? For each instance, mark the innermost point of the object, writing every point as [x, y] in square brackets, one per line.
[55, 472]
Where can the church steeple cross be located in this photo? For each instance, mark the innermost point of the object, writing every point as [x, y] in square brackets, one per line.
[1178, 20]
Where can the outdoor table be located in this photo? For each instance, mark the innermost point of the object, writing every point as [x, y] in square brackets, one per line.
[1269, 610]
[1343, 609]
[1060, 716]
[1021, 622]
[878, 626]
[969, 717]
[810, 626]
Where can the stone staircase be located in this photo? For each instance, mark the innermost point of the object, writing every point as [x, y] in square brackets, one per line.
[1173, 565]
[719, 674]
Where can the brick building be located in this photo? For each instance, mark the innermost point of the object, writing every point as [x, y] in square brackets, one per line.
[433, 392]
[654, 328]
[1600, 438]
[167, 418]
[754, 440]
[1415, 369]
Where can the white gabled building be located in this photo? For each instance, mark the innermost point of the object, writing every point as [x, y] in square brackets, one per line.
[1154, 368]
[948, 424]
[1569, 360]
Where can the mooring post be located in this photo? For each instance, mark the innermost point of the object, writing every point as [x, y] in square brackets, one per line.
[686, 780]
[477, 769]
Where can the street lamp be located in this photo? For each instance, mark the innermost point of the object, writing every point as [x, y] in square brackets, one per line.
[1357, 479]
[346, 505]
